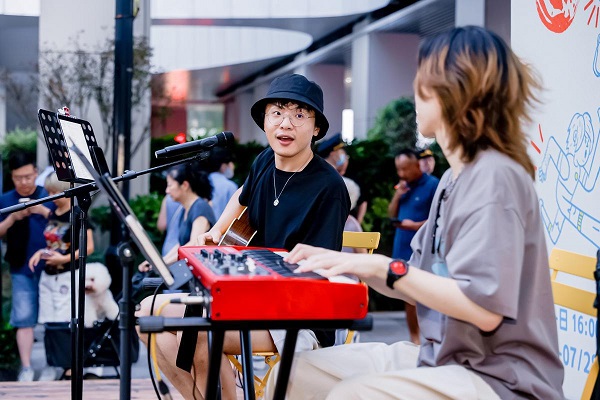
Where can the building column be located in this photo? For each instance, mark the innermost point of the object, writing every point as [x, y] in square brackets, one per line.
[238, 120]
[470, 12]
[383, 69]
[2, 111]
[491, 14]
[331, 79]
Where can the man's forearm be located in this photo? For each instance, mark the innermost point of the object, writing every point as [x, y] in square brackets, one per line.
[393, 207]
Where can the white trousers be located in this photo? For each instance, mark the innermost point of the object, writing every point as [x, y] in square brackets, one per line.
[377, 371]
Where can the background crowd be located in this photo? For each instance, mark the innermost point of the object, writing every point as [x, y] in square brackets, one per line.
[194, 197]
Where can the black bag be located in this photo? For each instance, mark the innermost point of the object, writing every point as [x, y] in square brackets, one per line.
[101, 344]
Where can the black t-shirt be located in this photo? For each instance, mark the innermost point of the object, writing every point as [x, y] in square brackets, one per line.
[58, 234]
[313, 208]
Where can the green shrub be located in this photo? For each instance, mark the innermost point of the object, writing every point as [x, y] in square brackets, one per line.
[19, 140]
[244, 155]
[145, 207]
[396, 125]
[9, 355]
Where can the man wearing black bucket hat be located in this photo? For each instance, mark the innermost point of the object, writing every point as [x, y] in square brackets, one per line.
[291, 197]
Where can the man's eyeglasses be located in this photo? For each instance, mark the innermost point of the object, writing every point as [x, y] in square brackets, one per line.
[435, 223]
[297, 119]
[23, 178]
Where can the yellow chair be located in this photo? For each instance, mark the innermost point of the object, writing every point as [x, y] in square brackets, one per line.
[573, 298]
[362, 240]
[357, 240]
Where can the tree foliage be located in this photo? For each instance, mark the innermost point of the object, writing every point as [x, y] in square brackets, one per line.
[396, 125]
[81, 76]
[21, 97]
[18, 140]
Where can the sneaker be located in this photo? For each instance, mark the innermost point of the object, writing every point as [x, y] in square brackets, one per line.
[26, 374]
[93, 372]
[48, 374]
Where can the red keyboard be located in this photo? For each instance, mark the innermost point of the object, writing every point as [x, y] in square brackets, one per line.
[251, 283]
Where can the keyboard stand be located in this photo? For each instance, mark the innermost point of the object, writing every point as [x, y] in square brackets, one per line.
[218, 328]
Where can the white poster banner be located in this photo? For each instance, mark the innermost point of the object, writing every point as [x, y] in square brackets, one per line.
[560, 39]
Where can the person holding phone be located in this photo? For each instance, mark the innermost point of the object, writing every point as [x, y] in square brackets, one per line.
[55, 257]
[408, 211]
[23, 231]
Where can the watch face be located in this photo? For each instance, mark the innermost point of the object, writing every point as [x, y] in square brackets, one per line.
[398, 267]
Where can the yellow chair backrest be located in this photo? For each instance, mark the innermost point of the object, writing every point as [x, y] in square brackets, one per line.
[575, 298]
[361, 240]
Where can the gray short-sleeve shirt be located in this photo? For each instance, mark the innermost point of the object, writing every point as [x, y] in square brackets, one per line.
[490, 240]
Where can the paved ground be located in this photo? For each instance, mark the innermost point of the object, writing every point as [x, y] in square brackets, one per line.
[388, 327]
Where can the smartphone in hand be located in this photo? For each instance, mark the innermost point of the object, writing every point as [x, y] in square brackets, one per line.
[46, 254]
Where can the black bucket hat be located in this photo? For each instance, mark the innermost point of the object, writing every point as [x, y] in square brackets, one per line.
[293, 87]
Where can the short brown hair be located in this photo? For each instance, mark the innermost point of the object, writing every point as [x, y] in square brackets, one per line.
[485, 91]
[52, 184]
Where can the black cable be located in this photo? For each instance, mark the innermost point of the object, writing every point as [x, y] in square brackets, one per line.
[238, 379]
[164, 390]
[152, 379]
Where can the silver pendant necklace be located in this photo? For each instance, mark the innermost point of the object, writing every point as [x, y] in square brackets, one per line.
[276, 201]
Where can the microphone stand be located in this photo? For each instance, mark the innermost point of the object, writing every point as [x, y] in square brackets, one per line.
[126, 258]
[82, 193]
[77, 319]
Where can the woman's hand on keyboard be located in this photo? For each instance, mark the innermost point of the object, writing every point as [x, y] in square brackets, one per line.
[331, 263]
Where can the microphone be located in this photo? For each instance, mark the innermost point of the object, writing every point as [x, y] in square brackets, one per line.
[220, 139]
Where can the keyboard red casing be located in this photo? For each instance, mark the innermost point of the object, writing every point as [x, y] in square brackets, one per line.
[273, 296]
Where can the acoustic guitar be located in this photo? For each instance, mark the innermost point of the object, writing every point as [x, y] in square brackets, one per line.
[239, 233]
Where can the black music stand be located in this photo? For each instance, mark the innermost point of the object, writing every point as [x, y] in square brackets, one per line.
[60, 128]
[174, 276]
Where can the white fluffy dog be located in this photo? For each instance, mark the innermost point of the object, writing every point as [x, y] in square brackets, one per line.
[99, 301]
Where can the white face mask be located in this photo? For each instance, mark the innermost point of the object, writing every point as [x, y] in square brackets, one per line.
[228, 173]
[341, 160]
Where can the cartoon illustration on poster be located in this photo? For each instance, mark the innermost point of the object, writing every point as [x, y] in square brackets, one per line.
[577, 168]
[560, 39]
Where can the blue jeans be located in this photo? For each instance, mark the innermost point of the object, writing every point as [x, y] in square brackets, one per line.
[25, 302]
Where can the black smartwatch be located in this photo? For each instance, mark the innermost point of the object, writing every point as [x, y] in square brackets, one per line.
[397, 269]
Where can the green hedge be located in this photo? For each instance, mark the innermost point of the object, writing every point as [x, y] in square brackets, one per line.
[145, 207]
[18, 140]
